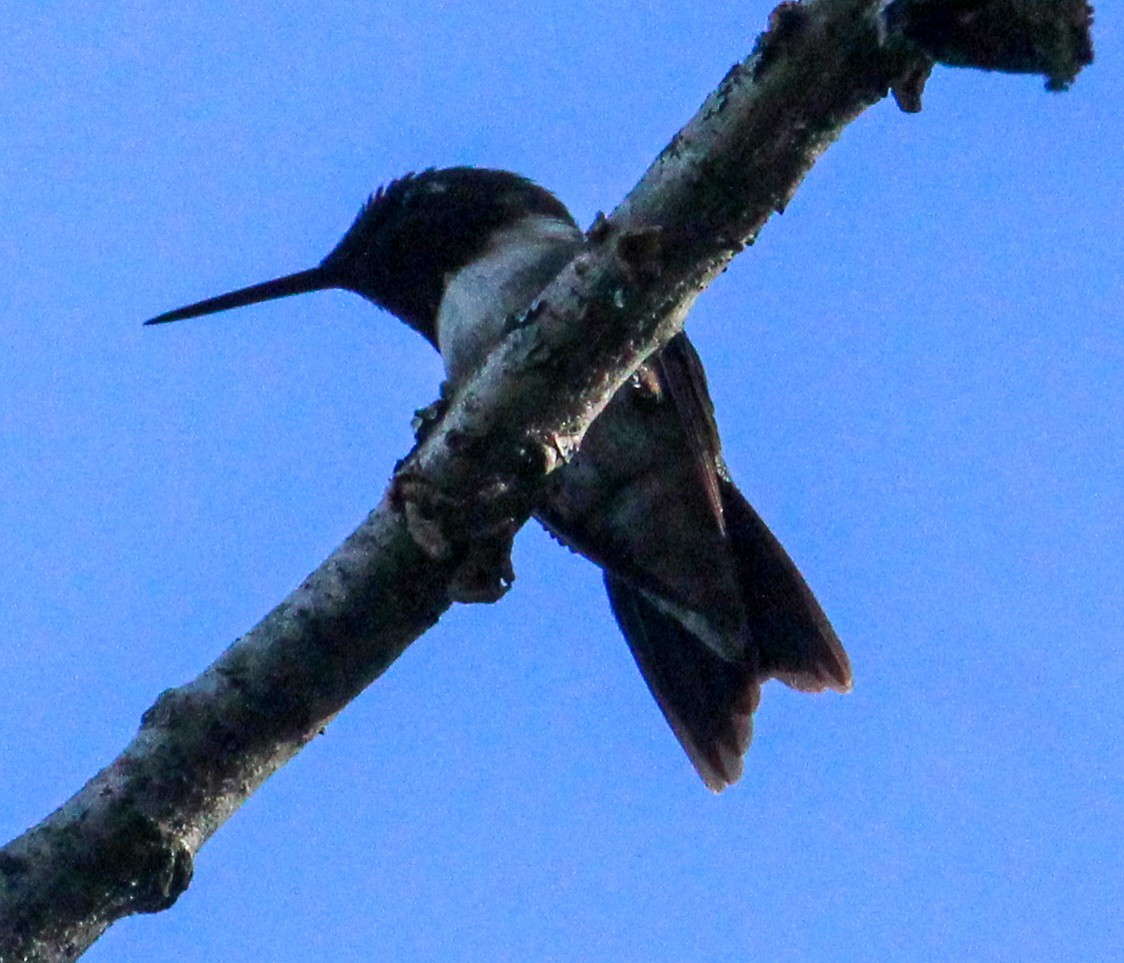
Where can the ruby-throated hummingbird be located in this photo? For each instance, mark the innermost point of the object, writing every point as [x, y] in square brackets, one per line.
[709, 601]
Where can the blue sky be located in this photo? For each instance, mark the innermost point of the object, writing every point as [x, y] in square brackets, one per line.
[919, 376]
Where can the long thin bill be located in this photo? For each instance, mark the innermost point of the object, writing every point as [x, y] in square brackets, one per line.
[314, 279]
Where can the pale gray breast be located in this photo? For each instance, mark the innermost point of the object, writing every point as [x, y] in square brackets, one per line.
[480, 299]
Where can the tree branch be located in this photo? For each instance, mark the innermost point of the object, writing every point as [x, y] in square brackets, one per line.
[125, 843]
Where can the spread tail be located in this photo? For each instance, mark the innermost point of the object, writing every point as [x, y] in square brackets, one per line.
[708, 699]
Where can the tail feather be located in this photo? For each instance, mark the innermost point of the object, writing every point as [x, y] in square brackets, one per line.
[794, 639]
[708, 701]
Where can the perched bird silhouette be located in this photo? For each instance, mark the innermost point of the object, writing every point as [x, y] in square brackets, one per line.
[709, 601]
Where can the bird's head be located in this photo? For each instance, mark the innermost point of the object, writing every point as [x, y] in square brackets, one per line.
[410, 237]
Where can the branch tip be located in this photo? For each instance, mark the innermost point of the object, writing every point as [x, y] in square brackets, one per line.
[1048, 37]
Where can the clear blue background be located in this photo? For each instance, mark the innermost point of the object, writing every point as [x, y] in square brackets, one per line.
[919, 375]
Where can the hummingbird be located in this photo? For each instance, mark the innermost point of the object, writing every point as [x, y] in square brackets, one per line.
[708, 600]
